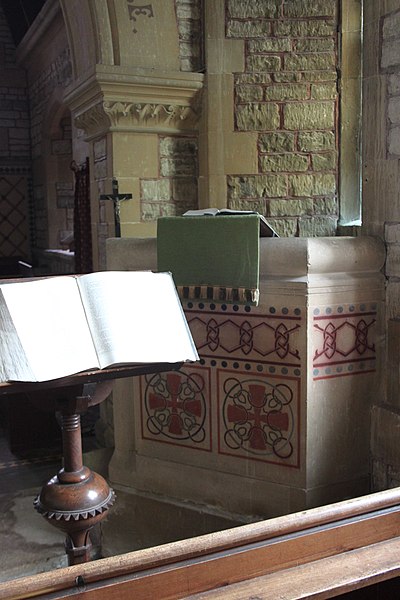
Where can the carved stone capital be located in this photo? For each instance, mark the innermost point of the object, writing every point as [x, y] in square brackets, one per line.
[121, 101]
[136, 116]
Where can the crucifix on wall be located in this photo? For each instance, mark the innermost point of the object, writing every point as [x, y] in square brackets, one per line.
[117, 198]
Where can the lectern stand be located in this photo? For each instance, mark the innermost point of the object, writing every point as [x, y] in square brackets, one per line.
[77, 498]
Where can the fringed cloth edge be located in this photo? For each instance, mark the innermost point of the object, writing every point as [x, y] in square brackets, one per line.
[219, 294]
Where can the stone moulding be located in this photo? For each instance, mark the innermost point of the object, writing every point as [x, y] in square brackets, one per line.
[149, 113]
[136, 116]
[120, 101]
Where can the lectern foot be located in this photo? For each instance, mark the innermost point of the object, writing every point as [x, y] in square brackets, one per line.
[75, 508]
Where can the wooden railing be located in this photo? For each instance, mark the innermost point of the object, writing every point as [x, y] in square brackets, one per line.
[318, 553]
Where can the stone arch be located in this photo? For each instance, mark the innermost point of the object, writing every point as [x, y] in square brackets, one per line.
[58, 177]
[112, 29]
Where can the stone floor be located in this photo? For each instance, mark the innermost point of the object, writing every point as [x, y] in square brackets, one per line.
[29, 545]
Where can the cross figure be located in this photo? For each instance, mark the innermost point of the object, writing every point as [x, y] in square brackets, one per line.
[117, 198]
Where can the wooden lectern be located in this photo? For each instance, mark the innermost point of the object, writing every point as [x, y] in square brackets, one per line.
[73, 323]
[77, 498]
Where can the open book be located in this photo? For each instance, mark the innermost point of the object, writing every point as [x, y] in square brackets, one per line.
[59, 326]
[265, 228]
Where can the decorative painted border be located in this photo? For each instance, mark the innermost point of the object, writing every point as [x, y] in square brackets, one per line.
[344, 340]
[225, 331]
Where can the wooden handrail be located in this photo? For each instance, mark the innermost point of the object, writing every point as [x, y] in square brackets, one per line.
[224, 557]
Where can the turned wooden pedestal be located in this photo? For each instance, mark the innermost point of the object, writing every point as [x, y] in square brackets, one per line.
[76, 498]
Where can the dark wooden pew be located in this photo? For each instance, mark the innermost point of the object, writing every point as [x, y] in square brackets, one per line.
[319, 553]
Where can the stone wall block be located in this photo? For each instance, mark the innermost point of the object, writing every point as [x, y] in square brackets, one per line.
[257, 186]
[20, 134]
[312, 115]
[249, 93]
[312, 185]
[170, 146]
[100, 169]
[178, 166]
[311, 28]
[318, 76]
[394, 84]
[281, 92]
[310, 8]
[184, 189]
[277, 142]
[393, 298]
[326, 206]
[317, 226]
[248, 9]
[155, 189]
[100, 149]
[392, 233]
[187, 11]
[289, 208]
[287, 77]
[394, 110]
[284, 227]
[316, 140]
[284, 162]
[270, 45]
[392, 267]
[324, 91]
[257, 117]
[390, 56]
[391, 26]
[61, 147]
[239, 204]
[314, 45]
[150, 211]
[324, 162]
[252, 78]
[266, 63]
[393, 141]
[248, 29]
[323, 61]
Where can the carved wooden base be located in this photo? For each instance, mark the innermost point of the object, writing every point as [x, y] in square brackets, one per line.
[75, 507]
[75, 499]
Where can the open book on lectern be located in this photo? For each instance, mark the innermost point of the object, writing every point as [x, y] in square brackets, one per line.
[59, 326]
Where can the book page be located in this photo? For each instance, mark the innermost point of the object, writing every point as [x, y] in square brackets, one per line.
[52, 328]
[136, 317]
[13, 362]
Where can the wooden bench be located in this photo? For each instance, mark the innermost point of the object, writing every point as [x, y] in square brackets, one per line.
[318, 553]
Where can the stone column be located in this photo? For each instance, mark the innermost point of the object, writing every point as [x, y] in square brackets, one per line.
[129, 92]
[222, 150]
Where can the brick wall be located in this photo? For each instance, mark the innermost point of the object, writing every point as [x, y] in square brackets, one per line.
[54, 74]
[15, 166]
[14, 110]
[288, 95]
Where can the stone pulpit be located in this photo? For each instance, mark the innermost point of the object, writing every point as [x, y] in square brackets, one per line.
[275, 417]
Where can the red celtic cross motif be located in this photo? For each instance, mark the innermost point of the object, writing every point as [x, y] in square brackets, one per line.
[175, 406]
[257, 418]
